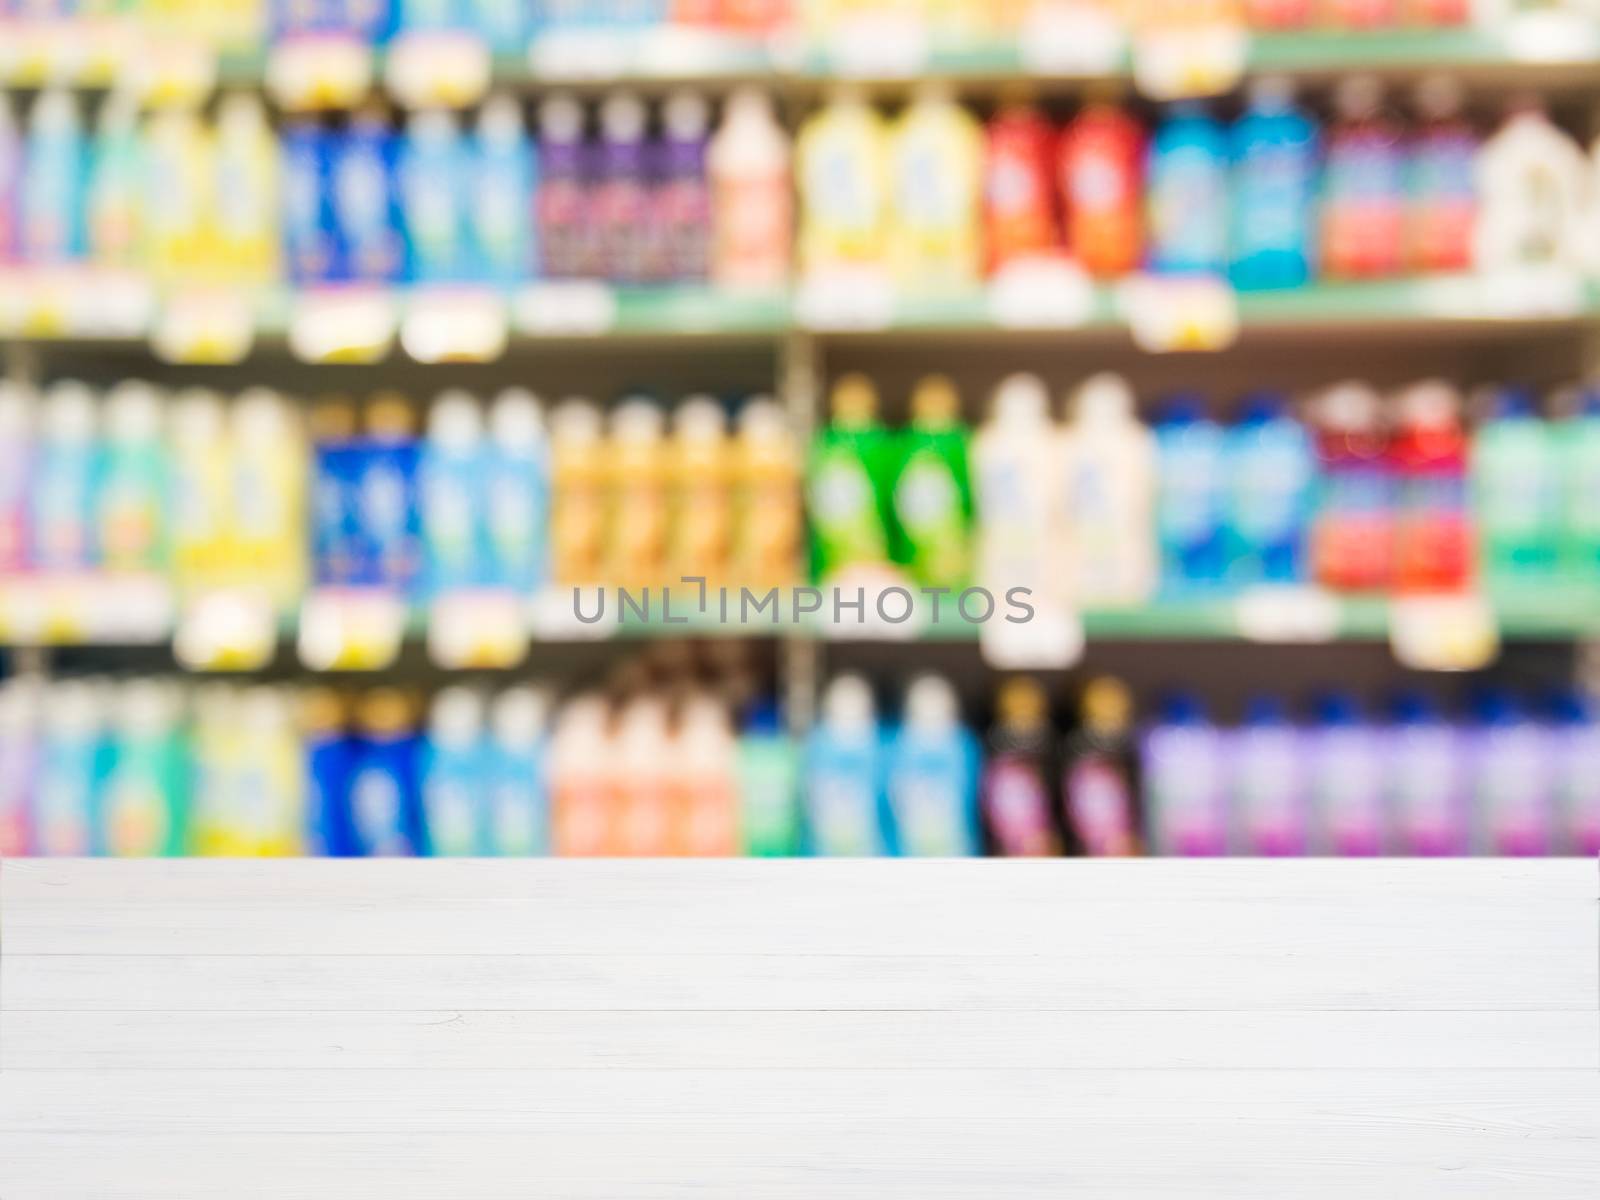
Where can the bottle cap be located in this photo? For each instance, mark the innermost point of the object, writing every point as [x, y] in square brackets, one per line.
[265, 710]
[622, 117]
[1262, 709]
[384, 712]
[700, 418]
[1348, 406]
[74, 708]
[1262, 406]
[389, 417]
[1272, 92]
[1431, 404]
[1182, 708]
[500, 119]
[456, 717]
[1439, 97]
[18, 403]
[561, 119]
[516, 419]
[148, 707]
[575, 420]
[848, 704]
[55, 110]
[519, 716]
[935, 402]
[119, 115]
[761, 418]
[69, 412]
[133, 412]
[1107, 705]
[854, 401]
[686, 116]
[749, 105]
[1022, 703]
[431, 125]
[262, 416]
[333, 419]
[931, 705]
[637, 420]
[323, 711]
[1514, 402]
[1021, 400]
[1412, 708]
[240, 114]
[1338, 708]
[455, 422]
[1103, 399]
[1358, 96]
[1182, 408]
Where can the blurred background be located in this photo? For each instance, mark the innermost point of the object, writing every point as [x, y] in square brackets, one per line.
[345, 345]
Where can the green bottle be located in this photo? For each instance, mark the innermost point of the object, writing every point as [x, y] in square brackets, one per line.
[145, 794]
[1579, 437]
[932, 491]
[847, 482]
[1516, 493]
[132, 501]
[768, 770]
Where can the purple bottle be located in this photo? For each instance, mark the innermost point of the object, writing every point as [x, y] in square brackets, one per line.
[1185, 800]
[1271, 809]
[680, 221]
[622, 197]
[1513, 784]
[561, 205]
[1346, 756]
[1575, 734]
[1427, 783]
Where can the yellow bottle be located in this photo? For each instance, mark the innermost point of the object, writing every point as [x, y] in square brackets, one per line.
[841, 157]
[178, 194]
[269, 496]
[936, 165]
[768, 528]
[202, 459]
[578, 495]
[637, 462]
[246, 194]
[701, 537]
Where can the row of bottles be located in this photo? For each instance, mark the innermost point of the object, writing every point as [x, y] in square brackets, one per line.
[1355, 493]
[226, 201]
[509, 25]
[936, 198]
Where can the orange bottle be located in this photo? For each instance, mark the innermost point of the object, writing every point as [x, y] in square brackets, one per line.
[1101, 168]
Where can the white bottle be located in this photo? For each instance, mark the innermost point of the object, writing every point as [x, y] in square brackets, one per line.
[246, 190]
[1107, 491]
[751, 205]
[1531, 181]
[644, 799]
[1014, 458]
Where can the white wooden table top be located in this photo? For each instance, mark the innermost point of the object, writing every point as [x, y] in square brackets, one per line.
[896, 1030]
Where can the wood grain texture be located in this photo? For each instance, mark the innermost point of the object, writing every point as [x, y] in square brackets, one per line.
[887, 1030]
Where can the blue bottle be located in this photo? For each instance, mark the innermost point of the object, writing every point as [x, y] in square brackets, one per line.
[433, 177]
[1191, 458]
[330, 759]
[1187, 194]
[309, 236]
[390, 538]
[452, 492]
[518, 788]
[844, 774]
[385, 798]
[367, 219]
[455, 774]
[1271, 479]
[1274, 180]
[933, 776]
[505, 24]
[53, 199]
[517, 494]
[422, 16]
[501, 195]
[63, 534]
[336, 466]
[73, 758]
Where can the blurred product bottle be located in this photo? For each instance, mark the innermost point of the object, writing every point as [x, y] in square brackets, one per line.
[52, 197]
[1019, 207]
[115, 204]
[500, 194]
[1427, 777]
[933, 775]
[455, 774]
[247, 193]
[703, 783]
[841, 173]
[518, 797]
[769, 794]
[412, 16]
[1185, 797]
[565, 222]
[19, 414]
[310, 234]
[1512, 761]
[268, 501]
[1101, 784]
[390, 511]
[1516, 491]
[1271, 474]
[21, 698]
[451, 488]
[679, 223]
[385, 797]
[583, 780]
[935, 157]
[517, 490]
[1275, 155]
[1363, 14]
[1101, 163]
[644, 823]
[1020, 774]
[1190, 497]
[1014, 472]
[1108, 483]
[330, 754]
[578, 497]
[637, 461]
[63, 535]
[202, 486]
[932, 496]
[701, 467]
[1187, 194]
[432, 174]
[179, 198]
[268, 805]
[1363, 186]
[848, 482]
[769, 526]
[12, 163]
[132, 497]
[1578, 439]
[1443, 193]
[621, 196]
[1531, 187]
[751, 206]
[1575, 734]
[1281, 15]
[1347, 759]
[364, 200]
[845, 774]
[1352, 533]
[143, 809]
[70, 768]
[1270, 798]
[337, 459]
[505, 24]
[1433, 540]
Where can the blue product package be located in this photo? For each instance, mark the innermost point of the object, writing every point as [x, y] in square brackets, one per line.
[519, 799]
[432, 180]
[1187, 194]
[1274, 182]
[844, 776]
[517, 494]
[369, 246]
[330, 762]
[52, 197]
[309, 237]
[412, 16]
[501, 195]
[385, 799]
[455, 775]
[504, 24]
[389, 509]
[451, 491]
[337, 549]
[933, 792]
[1189, 500]
[1271, 474]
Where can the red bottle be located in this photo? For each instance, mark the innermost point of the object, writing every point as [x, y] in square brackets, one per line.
[1019, 211]
[1352, 535]
[1433, 535]
[1363, 201]
[1279, 14]
[1363, 14]
[1101, 168]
